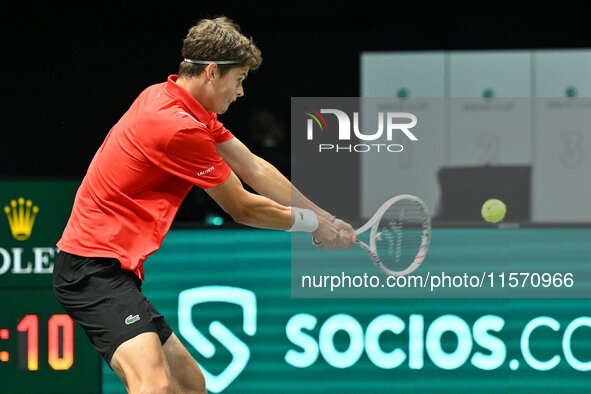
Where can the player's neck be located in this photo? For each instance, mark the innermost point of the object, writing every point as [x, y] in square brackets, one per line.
[196, 87]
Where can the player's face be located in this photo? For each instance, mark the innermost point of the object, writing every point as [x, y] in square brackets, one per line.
[228, 88]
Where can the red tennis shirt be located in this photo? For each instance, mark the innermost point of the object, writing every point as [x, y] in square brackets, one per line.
[162, 146]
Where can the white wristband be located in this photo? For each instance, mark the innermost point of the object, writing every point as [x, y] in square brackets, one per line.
[305, 220]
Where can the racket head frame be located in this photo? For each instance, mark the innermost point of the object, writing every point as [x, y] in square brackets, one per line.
[373, 224]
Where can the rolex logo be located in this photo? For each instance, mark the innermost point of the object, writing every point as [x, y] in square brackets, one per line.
[21, 217]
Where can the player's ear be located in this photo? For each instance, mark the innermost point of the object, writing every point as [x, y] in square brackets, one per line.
[210, 71]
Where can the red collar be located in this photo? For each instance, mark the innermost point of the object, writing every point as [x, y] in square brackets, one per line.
[176, 91]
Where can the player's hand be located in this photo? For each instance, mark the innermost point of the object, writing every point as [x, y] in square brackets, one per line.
[329, 236]
[346, 227]
[326, 235]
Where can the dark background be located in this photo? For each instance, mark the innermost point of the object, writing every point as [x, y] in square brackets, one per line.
[69, 71]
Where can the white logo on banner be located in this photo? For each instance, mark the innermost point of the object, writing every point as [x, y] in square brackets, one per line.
[239, 350]
[386, 125]
[344, 121]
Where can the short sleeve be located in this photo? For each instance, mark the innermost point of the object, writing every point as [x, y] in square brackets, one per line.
[219, 132]
[191, 155]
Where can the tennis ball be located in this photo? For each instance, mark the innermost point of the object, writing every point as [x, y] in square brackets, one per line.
[493, 210]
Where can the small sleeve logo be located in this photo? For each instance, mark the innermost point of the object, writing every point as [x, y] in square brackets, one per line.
[210, 169]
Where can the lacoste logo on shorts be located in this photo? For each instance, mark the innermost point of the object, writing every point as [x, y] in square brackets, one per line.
[131, 319]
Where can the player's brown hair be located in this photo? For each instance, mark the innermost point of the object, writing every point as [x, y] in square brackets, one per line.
[218, 39]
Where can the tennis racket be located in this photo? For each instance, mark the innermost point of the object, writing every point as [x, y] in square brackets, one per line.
[400, 232]
[399, 236]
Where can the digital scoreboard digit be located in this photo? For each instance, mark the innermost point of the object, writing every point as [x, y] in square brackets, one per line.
[41, 349]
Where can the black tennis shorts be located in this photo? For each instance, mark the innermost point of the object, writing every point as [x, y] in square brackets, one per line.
[106, 300]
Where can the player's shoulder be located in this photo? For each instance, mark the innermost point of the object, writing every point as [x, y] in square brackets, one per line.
[164, 116]
[168, 112]
[152, 92]
[179, 127]
[187, 119]
[178, 121]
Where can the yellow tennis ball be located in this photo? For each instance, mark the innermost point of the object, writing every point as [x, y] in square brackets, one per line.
[493, 210]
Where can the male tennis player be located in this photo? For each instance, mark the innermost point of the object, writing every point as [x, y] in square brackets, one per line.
[168, 141]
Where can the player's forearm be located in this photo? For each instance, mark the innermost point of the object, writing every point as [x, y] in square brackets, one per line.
[262, 212]
[269, 182]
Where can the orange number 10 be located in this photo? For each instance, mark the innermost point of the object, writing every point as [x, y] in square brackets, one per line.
[57, 360]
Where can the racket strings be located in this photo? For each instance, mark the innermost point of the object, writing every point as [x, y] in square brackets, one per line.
[400, 234]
